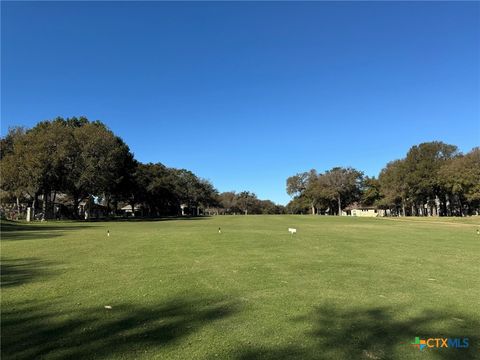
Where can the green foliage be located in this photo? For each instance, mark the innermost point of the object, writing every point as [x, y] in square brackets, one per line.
[433, 179]
[335, 188]
[298, 205]
[393, 184]
[370, 192]
[433, 176]
[422, 165]
[84, 159]
[246, 202]
[461, 177]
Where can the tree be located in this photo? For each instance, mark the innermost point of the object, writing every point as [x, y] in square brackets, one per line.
[34, 163]
[370, 192]
[207, 195]
[461, 178]
[269, 207]
[393, 186]
[87, 160]
[298, 205]
[157, 189]
[246, 200]
[189, 189]
[303, 184]
[95, 161]
[228, 201]
[422, 165]
[7, 143]
[128, 189]
[344, 184]
[12, 185]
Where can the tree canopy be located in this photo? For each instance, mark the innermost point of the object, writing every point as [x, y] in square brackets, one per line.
[85, 161]
[432, 179]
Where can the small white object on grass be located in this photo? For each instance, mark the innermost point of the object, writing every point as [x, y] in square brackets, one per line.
[292, 231]
[108, 232]
[219, 230]
[108, 307]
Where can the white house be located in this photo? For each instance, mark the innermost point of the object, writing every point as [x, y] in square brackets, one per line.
[365, 211]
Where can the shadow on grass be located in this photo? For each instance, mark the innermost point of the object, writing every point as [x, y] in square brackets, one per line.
[14, 272]
[11, 230]
[375, 333]
[32, 330]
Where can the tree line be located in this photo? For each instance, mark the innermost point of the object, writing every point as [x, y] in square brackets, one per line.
[245, 202]
[434, 179]
[78, 160]
[82, 161]
[86, 160]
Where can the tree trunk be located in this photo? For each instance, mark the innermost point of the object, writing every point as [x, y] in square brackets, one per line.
[34, 203]
[108, 206]
[444, 206]
[53, 204]
[313, 209]
[461, 207]
[339, 206]
[448, 204]
[44, 206]
[132, 204]
[76, 201]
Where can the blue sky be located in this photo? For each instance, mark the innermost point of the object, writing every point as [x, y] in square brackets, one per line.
[247, 94]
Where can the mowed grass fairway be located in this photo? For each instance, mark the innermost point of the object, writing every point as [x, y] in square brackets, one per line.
[341, 288]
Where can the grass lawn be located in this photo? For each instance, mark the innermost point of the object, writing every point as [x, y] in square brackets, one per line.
[341, 288]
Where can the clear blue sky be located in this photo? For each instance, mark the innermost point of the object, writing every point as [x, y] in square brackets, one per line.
[247, 94]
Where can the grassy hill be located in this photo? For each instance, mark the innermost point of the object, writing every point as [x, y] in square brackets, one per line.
[342, 287]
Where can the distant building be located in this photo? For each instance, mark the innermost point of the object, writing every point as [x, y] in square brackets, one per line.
[127, 210]
[365, 211]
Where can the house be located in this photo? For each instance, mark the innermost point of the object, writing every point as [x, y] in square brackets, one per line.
[89, 209]
[366, 211]
[127, 210]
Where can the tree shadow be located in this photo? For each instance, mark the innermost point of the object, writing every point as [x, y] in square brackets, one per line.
[376, 333]
[11, 230]
[33, 330]
[14, 272]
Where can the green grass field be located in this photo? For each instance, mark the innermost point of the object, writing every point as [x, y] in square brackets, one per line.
[341, 288]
